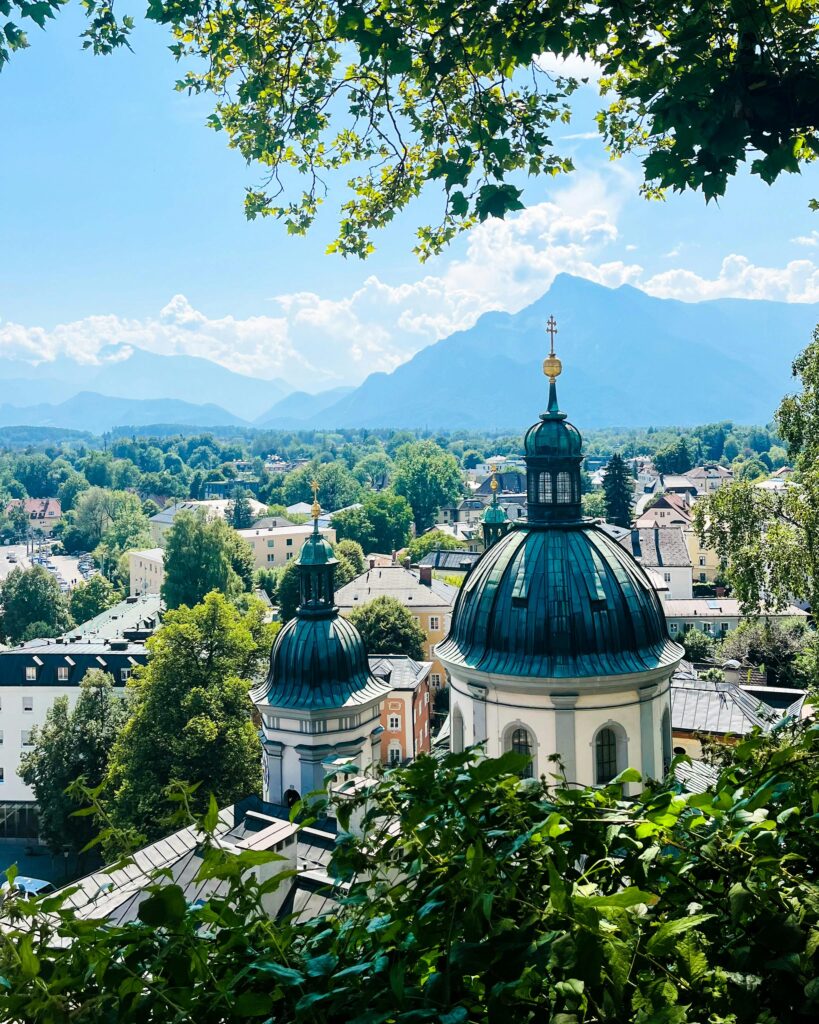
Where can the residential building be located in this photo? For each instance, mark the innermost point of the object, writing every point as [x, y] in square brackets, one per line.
[710, 477]
[705, 562]
[31, 677]
[162, 522]
[406, 713]
[135, 618]
[430, 601]
[43, 513]
[278, 545]
[225, 488]
[664, 550]
[677, 484]
[146, 570]
[468, 511]
[470, 536]
[510, 482]
[667, 510]
[716, 616]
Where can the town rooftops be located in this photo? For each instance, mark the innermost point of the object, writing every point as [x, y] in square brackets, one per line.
[134, 615]
[658, 547]
[400, 583]
[213, 507]
[674, 482]
[64, 662]
[508, 480]
[450, 561]
[38, 508]
[399, 671]
[302, 530]
[713, 607]
[701, 706]
[710, 472]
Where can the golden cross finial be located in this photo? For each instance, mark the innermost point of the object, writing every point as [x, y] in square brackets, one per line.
[316, 510]
[552, 366]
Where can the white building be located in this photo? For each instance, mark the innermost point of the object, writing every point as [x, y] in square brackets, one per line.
[277, 545]
[558, 644]
[146, 569]
[716, 616]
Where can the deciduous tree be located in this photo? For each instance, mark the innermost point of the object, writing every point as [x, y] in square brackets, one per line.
[31, 596]
[73, 743]
[202, 555]
[387, 627]
[92, 597]
[428, 477]
[191, 718]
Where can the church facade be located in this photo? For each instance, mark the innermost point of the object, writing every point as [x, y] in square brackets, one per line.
[320, 704]
[558, 646]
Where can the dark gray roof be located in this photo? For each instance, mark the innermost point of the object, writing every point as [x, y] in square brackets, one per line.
[452, 561]
[399, 671]
[47, 656]
[513, 480]
[698, 705]
[398, 582]
[661, 546]
[133, 615]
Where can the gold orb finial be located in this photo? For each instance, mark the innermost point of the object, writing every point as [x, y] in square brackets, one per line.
[316, 509]
[552, 366]
[494, 485]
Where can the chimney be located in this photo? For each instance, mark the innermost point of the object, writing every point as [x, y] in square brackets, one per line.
[425, 575]
[372, 563]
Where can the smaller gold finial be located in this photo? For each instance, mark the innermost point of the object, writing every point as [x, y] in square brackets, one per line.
[494, 485]
[552, 366]
[316, 510]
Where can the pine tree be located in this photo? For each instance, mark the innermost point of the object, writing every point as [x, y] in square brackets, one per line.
[239, 512]
[617, 486]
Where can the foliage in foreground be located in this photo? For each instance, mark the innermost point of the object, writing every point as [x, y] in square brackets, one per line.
[478, 897]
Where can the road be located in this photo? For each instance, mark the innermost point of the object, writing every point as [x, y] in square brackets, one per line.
[66, 565]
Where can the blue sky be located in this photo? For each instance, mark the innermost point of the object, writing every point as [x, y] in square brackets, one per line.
[121, 221]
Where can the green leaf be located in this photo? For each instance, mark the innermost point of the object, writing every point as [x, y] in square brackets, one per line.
[252, 1004]
[662, 941]
[165, 907]
[286, 975]
[630, 897]
[455, 1016]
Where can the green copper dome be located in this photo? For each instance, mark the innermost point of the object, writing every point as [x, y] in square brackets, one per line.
[494, 514]
[558, 602]
[319, 663]
[317, 551]
[553, 436]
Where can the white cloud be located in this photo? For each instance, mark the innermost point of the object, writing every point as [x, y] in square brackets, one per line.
[315, 341]
[810, 240]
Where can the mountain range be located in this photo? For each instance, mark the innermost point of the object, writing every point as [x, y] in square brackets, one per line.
[629, 360]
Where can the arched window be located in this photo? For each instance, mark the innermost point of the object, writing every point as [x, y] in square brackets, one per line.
[457, 733]
[522, 744]
[666, 729]
[605, 756]
[544, 491]
[564, 488]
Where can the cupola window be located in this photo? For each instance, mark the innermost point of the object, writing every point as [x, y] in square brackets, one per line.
[544, 492]
[564, 488]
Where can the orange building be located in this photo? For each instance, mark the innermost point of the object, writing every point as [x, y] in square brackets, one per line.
[405, 713]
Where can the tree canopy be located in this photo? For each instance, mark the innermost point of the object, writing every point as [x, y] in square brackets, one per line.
[387, 627]
[92, 597]
[469, 98]
[428, 477]
[618, 488]
[191, 717]
[73, 743]
[202, 555]
[33, 596]
[475, 896]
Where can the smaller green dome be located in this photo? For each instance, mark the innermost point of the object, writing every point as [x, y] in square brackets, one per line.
[317, 551]
[554, 437]
[494, 514]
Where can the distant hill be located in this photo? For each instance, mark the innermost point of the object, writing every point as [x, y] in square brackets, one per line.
[629, 360]
[291, 412]
[127, 372]
[89, 411]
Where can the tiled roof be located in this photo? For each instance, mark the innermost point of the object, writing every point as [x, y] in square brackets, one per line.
[398, 582]
[401, 672]
[455, 561]
[662, 546]
[699, 705]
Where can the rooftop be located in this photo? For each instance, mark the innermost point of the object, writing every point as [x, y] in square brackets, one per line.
[398, 582]
[658, 547]
[401, 672]
[450, 561]
[711, 607]
[699, 705]
[133, 615]
[214, 506]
